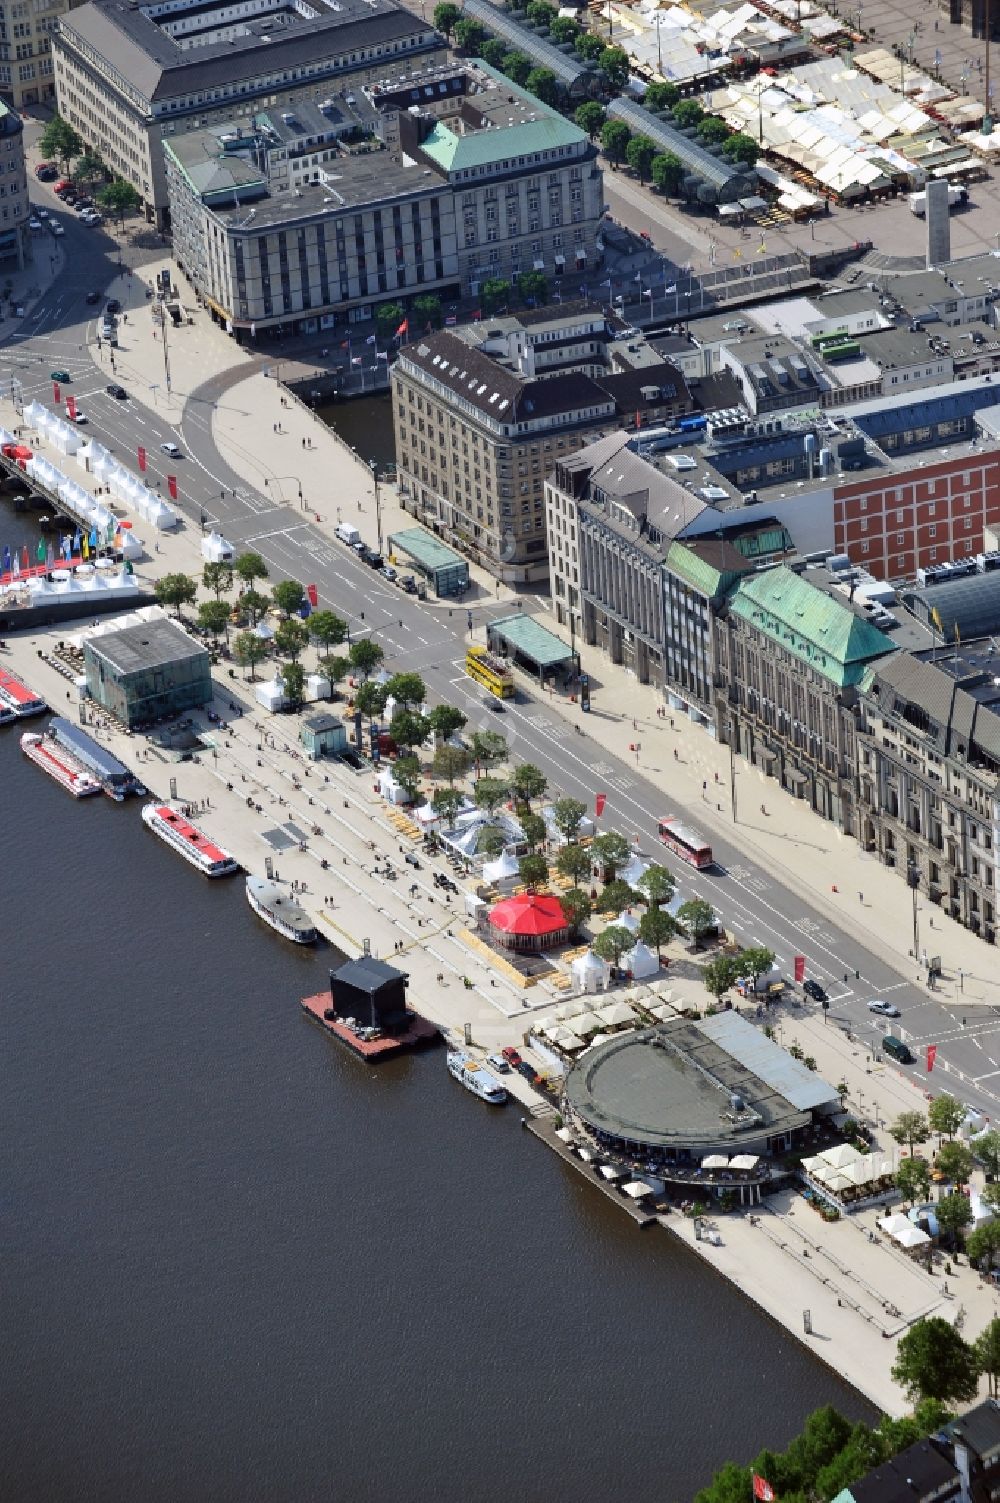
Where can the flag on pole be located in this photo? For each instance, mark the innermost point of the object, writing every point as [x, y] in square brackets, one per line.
[6, 558]
[936, 618]
[25, 561]
[931, 1056]
[404, 328]
[355, 359]
[648, 293]
[56, 397]
[141, 455]
[451, 319]
[16, 566]
[50, 556]
[381, 355]
[92, 539]
[345, 344]
[313, 595]
[600, 799]
[40, 551]
[958, 635]
[67, 548]
[477, 315]
[71, 408]
[172, 486]
[370, 339]
[671, 288]
[110, 533]
[762, 1489]
[84, 547]
[76, 541]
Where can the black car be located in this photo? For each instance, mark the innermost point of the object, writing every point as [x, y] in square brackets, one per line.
[114, 306]
[92, 298]
[409, 584]
[118, 392]
[528, 1071]
[814, 990]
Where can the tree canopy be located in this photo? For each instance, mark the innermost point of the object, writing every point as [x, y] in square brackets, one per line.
[612, 943]
[911, 1128]
[656, 928]
[945, 1115]
[489, 794]
[933, 1361]
[527, 783]
[657, 885]
[616, 897]
[120, 199]
[60, 140]
[615, 136]
[913, 1179]
[698, 918]
[614, 64]
[291, 638]
[610, 852]
[176, 590]
[365, 656]
[250, 567]
[573, 862]
[288, 596]
[249, 650]
[327, 629]
[667, 170]
[575, 905]
[590, 117]
[218, 578]
[954, 1161]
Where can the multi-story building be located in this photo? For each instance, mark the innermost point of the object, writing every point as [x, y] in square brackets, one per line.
[483, 413]
[26, 31]
[127, 74]
[15, 209]
[790, 659]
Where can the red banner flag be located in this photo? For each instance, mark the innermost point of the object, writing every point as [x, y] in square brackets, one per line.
[172, 486]
[800, 968]
[71, 408]
[313, 595]
[600, 799]
[931, 1056]
[141, 454]
[56, 395]
[762, 1489]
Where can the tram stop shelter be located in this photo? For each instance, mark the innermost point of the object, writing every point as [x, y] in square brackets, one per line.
[532, 646]
[444, 569]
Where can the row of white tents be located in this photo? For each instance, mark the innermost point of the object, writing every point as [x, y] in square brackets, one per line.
[96, 460]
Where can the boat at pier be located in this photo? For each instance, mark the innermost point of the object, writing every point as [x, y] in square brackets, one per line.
[115, 778]
[67, 771]
[273, 902]
[173, 826]
[16, 697]
[475, 1079]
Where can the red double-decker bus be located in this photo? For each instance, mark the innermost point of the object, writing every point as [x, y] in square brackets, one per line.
[685, 842]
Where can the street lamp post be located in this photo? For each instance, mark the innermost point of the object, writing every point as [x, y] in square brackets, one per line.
[732, 768]
[378, 506]
[913, 882]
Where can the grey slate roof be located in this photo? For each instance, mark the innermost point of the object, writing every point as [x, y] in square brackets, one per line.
[730, 180]
[979, 1429]
[918, 1473]
[497, 392]
[569, 70]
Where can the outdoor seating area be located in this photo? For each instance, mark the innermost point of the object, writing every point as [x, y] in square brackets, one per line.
[904, 1232]
[847, 1178]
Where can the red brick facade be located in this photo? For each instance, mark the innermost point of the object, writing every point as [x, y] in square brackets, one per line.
[896, 524]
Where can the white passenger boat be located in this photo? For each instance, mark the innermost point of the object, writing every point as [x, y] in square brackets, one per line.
[275, 904]
[176, 829]
[67, 771]
[475, 1079]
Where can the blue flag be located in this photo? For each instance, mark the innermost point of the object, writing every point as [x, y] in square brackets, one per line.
[6, 558]
[92, 540]
[76, 541]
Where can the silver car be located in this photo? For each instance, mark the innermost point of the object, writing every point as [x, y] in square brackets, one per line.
[884, 1009]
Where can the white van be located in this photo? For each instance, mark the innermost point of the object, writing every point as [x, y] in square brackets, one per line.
[348, 534]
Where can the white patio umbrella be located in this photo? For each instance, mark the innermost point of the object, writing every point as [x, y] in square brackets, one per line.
[911, 1236]
[897, 1222]
[840, 1156]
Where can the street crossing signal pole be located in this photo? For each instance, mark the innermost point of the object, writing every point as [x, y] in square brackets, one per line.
[732, 767]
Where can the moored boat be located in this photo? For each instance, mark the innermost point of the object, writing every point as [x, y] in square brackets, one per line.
[66, 771]
[17, 697]
[475, 1079]
[273, 902]
[173, 826]
[115, 778]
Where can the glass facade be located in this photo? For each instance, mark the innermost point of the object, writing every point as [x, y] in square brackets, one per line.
[149, 693]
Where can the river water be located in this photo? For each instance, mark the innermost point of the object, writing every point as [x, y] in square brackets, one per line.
[366, 424]
[241, 1265]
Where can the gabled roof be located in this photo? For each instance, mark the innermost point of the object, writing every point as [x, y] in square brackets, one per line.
[708, 565]
[920, 1472]
[810, 624]
[457, 153]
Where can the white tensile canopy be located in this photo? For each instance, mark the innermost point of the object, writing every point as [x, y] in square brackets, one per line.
[895, 1223]
[641, 961]
[587, 1022]
[426, 815]
[744, 1161]
[502, 869]
[586, 1155]
[840, 1156]
[564, 1134]
[263, 631]
[635, 1189]
[715, 1161]
[569, 1041]
[663, 1010]
[910, 1236]
[610, 1172]
[590, 973]
[216, 549]
[633, 869]
[629, 921]
[617, 1013]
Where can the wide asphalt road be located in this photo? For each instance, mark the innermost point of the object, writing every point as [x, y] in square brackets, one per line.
[752, 901]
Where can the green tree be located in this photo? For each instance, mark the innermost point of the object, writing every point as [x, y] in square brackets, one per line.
[450, 762]
[407, 729]
[533, 829]
[656, 928]
[291, 638]
[983, 1244]
[446, 803]
[945, 1115]
[613, 942]
[913, 1179]
[534, 871]
[406, 689]
[250, 567]
[933, 1361]
[590, 117]
[494, 293]
[533, 286]
[755, 960]
[327, 629]
[543, 83]
[575, 905]
[987, 1349]
[176, 590]
[573, 862]
[564, 29]
[388, 317]
[249, 650]
[446, 17]
[254, 605]
[489, 794]
[712, 130]
[365, 656]
[427, 310]
[910, 1128]
[954, 1214]
[491, 841]
[469, 35]
[616, 896]
[698, 918]
[288, 596]
[120, 199]
[488, 748]
[493, 52]
[688, 112]
[661, 96]
[657, 885]
[741, 148]
[615, 136]
[614, 64]
[527, 783]
[987, 1150]
[720, 974]
[407, 772]
[568, 815]
[540, 14]
[333, 669]
[90, 168]
[213, 616]
[60, 141]
[218, 578]
[293, 679]
[369, 699]
[863, 1452]
[610, 852]
[954, 1161]
[667, 172]
[823, 1435]
[516, 66]
[446, 720]
[639, 154]
[589, 46]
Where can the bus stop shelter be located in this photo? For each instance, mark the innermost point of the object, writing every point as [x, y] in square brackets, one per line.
[531, 645]
[445, 570]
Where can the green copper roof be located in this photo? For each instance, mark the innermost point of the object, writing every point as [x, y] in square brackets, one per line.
[810, 624]
[484, 147]
[699, 573]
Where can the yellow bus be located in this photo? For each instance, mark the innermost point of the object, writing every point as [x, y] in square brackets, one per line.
[489, 671]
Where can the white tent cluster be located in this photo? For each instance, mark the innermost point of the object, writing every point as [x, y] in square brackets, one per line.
[87, 582]
[570, 1029]
[844, 1169]
[676, 43]
[65, 437]
[126, 487]
[902, 1230]
[97, 460]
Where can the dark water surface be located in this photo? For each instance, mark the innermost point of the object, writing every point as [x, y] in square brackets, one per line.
[240, 1265]
[366, 424]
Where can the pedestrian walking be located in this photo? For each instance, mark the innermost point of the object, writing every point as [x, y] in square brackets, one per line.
[861, 897]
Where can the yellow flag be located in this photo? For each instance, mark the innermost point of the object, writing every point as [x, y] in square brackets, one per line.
[958, 635]
[936, 618]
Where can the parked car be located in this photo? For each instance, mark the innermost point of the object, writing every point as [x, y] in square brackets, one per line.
[44, 169]
[81, 417]
[814, 990]
[118, 392]
[84, 203]
[528, 1071]
[171, 450]
[409, 584]
[389, 572]
[498, 1063]
[92, 298]
[511, 1055]
[884, 1009]
[34, 224]
[63, 377]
